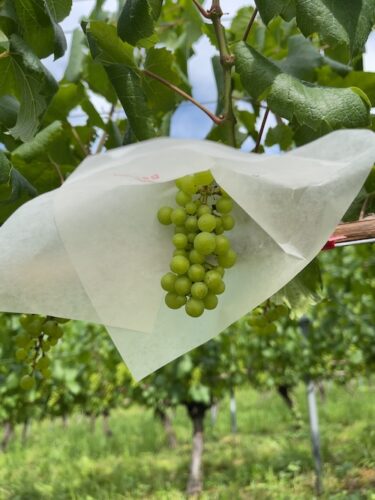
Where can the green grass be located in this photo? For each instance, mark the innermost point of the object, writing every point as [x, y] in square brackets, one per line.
[267, 459]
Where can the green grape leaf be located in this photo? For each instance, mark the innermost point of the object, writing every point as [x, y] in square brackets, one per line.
[97, 79]
[126, 82]
[338, 22]
[39, 26]
[39, 145]
[137, 20]
[110, 49]
[25, 78]
[281, 135]
[361, 79]
[9, 109]
[68, 96]
[161, 62]
[60, 9]
[94, 118]
[318, 108]
[268, 9]
[74, 68]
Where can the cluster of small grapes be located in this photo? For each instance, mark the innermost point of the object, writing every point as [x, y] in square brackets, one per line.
[38, 336]
[262, 319]
[202, 252]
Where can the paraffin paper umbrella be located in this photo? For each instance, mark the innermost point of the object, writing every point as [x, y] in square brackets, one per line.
[93, 249]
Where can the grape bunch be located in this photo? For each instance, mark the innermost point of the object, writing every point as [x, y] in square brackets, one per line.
[37, 337]
[202, 251]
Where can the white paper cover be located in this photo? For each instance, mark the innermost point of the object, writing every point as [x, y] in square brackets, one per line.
[93, 249]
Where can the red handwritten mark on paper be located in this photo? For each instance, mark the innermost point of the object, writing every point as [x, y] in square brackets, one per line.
[143, 178]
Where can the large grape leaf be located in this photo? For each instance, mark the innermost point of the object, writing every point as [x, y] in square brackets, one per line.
[137, 20]
[268, 9]
[120, 68]
[24, 77]
[38, 25]
[38, 146]
[319, 108]
[74, 68]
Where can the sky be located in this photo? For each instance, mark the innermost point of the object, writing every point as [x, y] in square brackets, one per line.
[188, 121]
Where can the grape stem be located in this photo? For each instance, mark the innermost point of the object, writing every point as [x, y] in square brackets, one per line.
[261, 131]
[216, 119]
[250, 25]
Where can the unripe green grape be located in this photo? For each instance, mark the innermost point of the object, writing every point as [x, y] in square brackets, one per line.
[182, 198]
[53, 340]
[167, 282]
[46, 346]
[191, 224]
[207, 222]
[46, 373]
[212, 279]
[194, 308]
[259, 321]
[27, 382]
[205, 243]
[224, 205]
[25, 319]
[180, 251]
[22, 340]
[34, 329]
[178, 216]
[174, 301]
[179, 264]
[191, 207]
[203, 209]
[228, 260]
[196, 272]
[180, 241]
[52, 329]
[62, 320]
[187, 184]
[228, 222]
[180, 230]
[182, 285]
[220, 270]
[220, 288]
[222, 245]
[191, 237]
[270, 329]
[164, 215]
[199, 290]
[204, 178]
[210, 301]
[43, 363]
[219, 229]
[21, 354]
[196, 257]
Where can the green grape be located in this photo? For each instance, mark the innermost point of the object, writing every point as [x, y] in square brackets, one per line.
[27, 382]
[204, 178]
[220, 288]
[196, 272]
[191, 224]
[212, 279]
[199, 290]
[34, 328]
[62, 320]
[164, 215]
[187, 184]
[167, 282]
[43, 363]
[22, 340]
[205, 243]
[182, 198]
[224, 205]
[222, 245]
[52, 329]
[270, 329]
[191, 207]
[182, 285]
[21, 354]
[53, 340]
[220, 270]
[194, 308]
[196, 257]
[179, 264]
[191, 237]
[228, 260]
[180, 241]
[46, 373]
[180, 251]
[174, 301]
[178, 216]
[210, 301]
[180, 230]
[207, 222]
[228, 222]
[219, 229]
[259, 321]
[46, 346]
[26, 319]
[203, 209]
